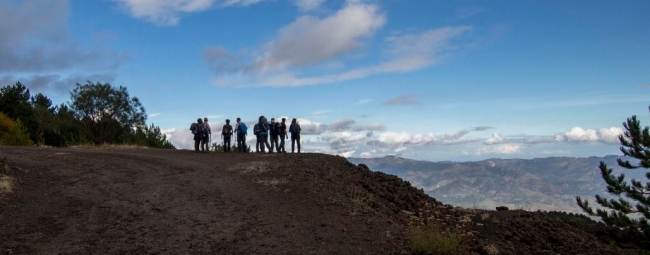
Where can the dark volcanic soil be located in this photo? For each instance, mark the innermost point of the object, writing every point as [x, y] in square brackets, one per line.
[146, 201]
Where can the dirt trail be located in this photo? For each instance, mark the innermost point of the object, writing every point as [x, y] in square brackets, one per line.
[163, 201]
[147, 201]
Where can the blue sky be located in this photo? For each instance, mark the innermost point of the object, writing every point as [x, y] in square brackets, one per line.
[432, 80]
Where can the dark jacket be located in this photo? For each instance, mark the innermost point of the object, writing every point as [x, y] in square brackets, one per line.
[264, 128]
[294, 129]
[274, 128]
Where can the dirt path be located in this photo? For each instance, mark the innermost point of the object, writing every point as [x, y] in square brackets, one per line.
[147, 201]
[163, 201]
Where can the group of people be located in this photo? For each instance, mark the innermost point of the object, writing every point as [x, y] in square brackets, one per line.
[262, 129]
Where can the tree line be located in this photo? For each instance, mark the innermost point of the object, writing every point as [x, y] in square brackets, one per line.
[97, 114]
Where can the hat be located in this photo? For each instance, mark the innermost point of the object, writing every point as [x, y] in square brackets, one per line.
[227, 120]
[205, 119]
[272, 119]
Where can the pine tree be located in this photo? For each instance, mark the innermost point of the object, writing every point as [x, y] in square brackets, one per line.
[632, 208]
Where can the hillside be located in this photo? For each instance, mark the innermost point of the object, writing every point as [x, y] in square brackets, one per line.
[146, 201]
[534, 184]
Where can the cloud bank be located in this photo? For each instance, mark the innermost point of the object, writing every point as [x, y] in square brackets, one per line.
[348, 138]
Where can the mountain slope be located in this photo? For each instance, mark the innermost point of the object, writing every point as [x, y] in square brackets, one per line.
[543, 183]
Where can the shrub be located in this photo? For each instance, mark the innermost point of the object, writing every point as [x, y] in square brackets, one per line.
[6, 184]
[12, 132]
[434, 240]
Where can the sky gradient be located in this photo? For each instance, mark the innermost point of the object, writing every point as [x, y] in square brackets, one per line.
[432, 80]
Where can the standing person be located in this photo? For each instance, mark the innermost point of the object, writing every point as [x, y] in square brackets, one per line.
[205, 142]
[195, 130]
[282, 130]
[273, 130]
[242, 131]
[226, 133]
[198, 135]
[256, 132]
[294, 129]
[264, 134]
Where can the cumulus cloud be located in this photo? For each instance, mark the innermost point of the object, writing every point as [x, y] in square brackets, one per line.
[605, 135]
[406, 139]
[499, 149]
[310, 40]
[305, 42]
[34, 38]
[309, 127]
[343, 141]
[181, 138]
[575, 135]
[408, 99]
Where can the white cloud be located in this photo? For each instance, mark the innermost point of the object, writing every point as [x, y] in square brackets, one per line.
[499, 149]
[310, 40]
[406, 139]
[181, 138]
[605, 135]
[346, 154]
[309, 127]
[306, 5]
[575, 135]
[168, 12]
[294, 51]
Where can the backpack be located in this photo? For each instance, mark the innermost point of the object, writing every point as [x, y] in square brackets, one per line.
[227, 130]
[194, 127]
[242, 128]
[256, 129]
[201, 130]
[294, 128]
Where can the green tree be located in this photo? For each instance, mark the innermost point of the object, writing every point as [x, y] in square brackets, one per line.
[44, 117]
[108, 114]
[632, 208]
[70, 131]
[152, 137]
[14, 102]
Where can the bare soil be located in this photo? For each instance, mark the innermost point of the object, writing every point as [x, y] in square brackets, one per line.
[148, 201]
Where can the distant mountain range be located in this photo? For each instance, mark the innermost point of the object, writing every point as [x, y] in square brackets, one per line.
[532, 184]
